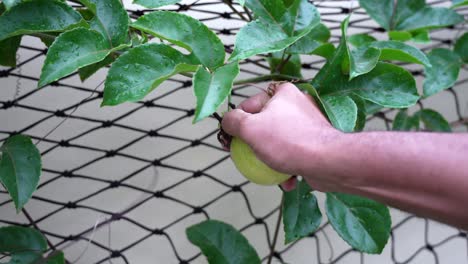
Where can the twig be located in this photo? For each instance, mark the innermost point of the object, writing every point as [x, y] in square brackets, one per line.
[275, 236]
[229, 3]
[248, 13]
[283, 63]
[268, 77]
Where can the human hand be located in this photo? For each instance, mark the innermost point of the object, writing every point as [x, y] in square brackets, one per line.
[287, 132]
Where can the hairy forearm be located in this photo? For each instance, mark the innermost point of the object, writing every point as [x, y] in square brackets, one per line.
[423, 173]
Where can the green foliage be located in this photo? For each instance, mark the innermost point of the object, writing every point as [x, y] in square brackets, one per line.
[89, 70]
[155, 3]
[37, 17]
[444, 71]
[291, 67]
[387, 85]
[310, 43]
[409, 15]
[361, 222]
[461, 47]
[459, 3]
[10, 3]
[110, 19]
[276, 29]
[359, 40]
[150, 65]
[301, 214]
[26, 245]
[20, 168]
[222, 243]
[433, 121]
[9, 47]
[180, 29]
[357, 80]
[405, 122]
[342, 111]
[211, 89]
[72, 50]
[398, 51]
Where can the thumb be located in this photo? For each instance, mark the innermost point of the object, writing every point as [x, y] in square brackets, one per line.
[232, 121]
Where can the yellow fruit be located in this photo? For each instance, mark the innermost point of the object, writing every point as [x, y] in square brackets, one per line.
[252, 168]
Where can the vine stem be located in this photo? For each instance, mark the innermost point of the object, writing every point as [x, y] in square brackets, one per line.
[268, 77]
[261, 78]
[283, 62]
[275, 236]
[229, 3]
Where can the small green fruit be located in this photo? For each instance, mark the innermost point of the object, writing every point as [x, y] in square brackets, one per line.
[251, 167]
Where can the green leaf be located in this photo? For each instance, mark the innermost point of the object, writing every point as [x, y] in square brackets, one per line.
[301, 214]
[137, 72]
[20, 168]
[180, 29]
[359, 40]
[362, 223]
[332, 70]
[265, 36]
[292, 67]
[221, 243]
[371, 107]
[57, 258]
[342, 111]
[326, 51]
[259, 37]
[429, 18]
[316, 38]
[155, 3]
[399, 51]
[458, 3]
[72, 50]
[49, 38]
[400, 35]
[433, 121]
[8, 49]
[38, 16]
[381, 11]
[211, 89]
[16, 239]
[404, 122]
[89, 70]
[361, 113]
[362, 60]
[409, 15]
[270, 11]
[461, 47]
[443, 73]
[358, 61]
[419, 36]
[10, 3]
[387, 85]
[110, 19]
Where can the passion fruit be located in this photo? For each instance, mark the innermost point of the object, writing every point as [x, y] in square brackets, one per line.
[251, 167]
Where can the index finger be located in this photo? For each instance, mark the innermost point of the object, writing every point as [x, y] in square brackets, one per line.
[255, 103]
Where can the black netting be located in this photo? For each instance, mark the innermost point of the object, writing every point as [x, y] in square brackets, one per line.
[99, 177]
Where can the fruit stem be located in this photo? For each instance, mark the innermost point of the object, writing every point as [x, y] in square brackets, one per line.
[269, 77]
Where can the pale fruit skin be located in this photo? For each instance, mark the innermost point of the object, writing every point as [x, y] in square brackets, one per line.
[252, 168]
